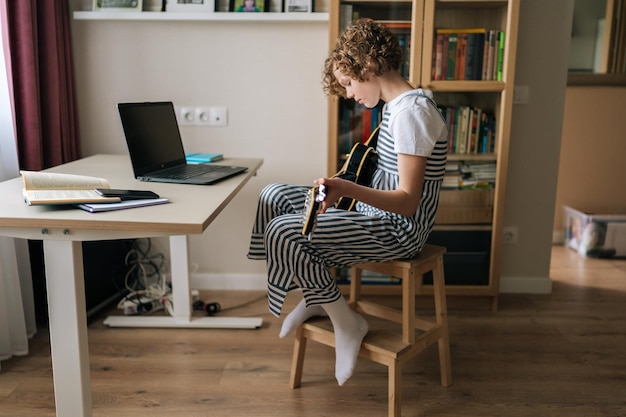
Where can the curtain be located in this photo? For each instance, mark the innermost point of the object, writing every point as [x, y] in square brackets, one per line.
[43, 83]
[36, 40]
[17, 311]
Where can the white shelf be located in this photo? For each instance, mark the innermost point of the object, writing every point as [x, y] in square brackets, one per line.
[216, 16]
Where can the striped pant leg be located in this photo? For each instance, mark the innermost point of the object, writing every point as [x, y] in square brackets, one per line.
[341, 238]
[293, 262]
[274, 200]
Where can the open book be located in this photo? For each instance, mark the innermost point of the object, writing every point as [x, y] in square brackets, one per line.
[54, 188]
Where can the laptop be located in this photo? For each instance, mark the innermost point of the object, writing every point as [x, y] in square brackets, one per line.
[156, 148]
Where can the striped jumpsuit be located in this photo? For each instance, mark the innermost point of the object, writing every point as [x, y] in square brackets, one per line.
[411, 124]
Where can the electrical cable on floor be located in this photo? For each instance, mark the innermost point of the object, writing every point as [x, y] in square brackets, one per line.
[202, 305]
[148, 289]
[145, 296]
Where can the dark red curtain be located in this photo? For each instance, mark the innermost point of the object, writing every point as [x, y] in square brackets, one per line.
[43, 82]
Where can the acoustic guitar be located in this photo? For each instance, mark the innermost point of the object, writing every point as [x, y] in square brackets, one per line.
[359, 167]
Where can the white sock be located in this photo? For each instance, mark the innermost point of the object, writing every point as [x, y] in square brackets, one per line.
[350, 328]
[299, 315]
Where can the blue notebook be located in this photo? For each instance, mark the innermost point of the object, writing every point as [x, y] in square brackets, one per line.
[203, 158]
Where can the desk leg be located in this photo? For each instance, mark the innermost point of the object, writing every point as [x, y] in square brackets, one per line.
[181, 295]
[179, 263]
[65, 284]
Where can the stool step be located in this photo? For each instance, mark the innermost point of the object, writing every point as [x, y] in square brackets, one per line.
[379, 345]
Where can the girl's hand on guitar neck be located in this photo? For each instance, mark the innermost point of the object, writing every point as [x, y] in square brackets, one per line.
[333, 189]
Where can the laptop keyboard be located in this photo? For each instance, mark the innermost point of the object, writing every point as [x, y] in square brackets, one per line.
[188, 171]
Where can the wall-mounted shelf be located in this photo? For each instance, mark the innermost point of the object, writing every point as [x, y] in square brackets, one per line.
[217, 16]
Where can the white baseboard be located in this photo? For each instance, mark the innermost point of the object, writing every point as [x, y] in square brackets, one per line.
[525, 285]
[248, 282]
[244, 282]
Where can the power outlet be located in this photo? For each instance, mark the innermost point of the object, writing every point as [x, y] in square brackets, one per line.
[509, 235]
[202, 116]
[218, 116]
[187, 116]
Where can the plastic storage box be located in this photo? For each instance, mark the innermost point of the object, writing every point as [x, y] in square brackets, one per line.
[594, 234]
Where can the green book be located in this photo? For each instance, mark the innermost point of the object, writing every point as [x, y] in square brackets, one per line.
[500, 60]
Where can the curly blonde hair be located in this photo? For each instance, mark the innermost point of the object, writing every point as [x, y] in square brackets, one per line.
[365, 47]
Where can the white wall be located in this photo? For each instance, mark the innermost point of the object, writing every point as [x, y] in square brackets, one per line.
[268, 75]
[542, 57]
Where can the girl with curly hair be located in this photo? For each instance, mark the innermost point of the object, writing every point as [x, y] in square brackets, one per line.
[393, 217]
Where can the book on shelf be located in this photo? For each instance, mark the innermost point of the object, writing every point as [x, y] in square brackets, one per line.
[474, 60]
[398, 25]
[467, 54]
[404, 40]
[461, 138]
[485, 63]
[437, 66]
[367, 278]
[376, 114]
[451, 180]
[366, 124]
[451, 61]
[487, 140]
[493, 64]
[477, 174]
[57, 188]
[122, 205]
[461, 54]
[452, 166]
[500, 56]
[490, 44]
[477, 165]
[471, 130]
[449, 115]
[474, 130]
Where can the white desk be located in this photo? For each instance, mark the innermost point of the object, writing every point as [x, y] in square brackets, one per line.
[191, 209]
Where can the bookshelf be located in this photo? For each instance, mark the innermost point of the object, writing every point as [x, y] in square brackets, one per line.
[474, 244]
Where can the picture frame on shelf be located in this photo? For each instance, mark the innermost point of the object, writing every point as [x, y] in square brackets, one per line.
[118, 5]
[298, 6]
[248, 6]
[200, 6]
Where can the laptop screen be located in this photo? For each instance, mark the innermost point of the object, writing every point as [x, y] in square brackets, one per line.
[152, 136]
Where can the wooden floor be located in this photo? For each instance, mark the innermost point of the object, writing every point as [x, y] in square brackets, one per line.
[562, 354]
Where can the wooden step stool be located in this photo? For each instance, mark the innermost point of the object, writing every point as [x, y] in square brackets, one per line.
[384, 347]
